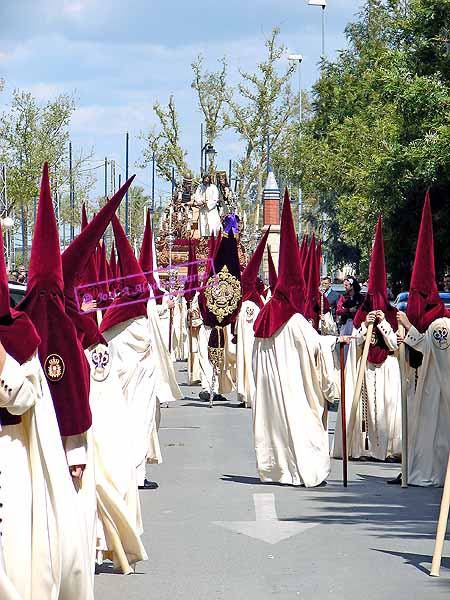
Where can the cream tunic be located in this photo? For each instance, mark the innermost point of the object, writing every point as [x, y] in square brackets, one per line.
[245, 381]
[292, 386]
[44, 535]
[194, 371]
[134, 358]
[382, 387]
[429, 412]
[167, 386]
[179, 332]
[119, 522]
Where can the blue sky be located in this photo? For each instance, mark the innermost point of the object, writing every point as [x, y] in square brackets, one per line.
[118, 57]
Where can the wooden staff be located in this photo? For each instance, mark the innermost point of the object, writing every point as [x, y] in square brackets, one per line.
[401, 331]
[325, 408]
[442, 525]
[359, 382]
[191, 362]
[321, 313]
[343, 414]
[170, 329]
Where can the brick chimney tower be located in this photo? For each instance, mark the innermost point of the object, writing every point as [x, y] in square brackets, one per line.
[271, 216]
[271, 200]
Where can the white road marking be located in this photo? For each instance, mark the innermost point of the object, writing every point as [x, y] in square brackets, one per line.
[266, 528]
[265, 509]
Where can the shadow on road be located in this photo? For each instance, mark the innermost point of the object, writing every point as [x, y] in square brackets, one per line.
[415, 560]
[387, 511]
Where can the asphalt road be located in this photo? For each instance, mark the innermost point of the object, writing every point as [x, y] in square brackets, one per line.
[214, 532]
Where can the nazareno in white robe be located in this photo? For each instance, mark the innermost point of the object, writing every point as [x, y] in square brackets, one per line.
[134, 358]
[119, 523]
[166, 382]
[429, 412]
[224, 382]
[382, 386]
[179, 332]
[245, 380]
[292, 386]
[164, 323]
[193, 362]
[44, 536]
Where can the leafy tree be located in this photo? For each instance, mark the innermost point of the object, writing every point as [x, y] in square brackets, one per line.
[30, 134]
[259, 109]
[211, 88]
[379, 136]
[164, 141]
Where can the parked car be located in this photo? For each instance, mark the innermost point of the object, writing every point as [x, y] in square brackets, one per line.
[401, 302]
[16, 292]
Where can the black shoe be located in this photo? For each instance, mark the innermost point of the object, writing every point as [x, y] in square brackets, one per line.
[148, 485]
[204, 395]
[396, 481]
[219, 398]
[393, 459]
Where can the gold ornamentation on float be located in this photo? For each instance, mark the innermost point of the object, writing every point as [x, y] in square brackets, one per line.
[223, 294]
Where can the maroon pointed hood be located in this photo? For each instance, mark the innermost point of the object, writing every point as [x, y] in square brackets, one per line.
[272, 271]
[134, 293]
[78, 254]
[146, 259]
[303, 251]
[17, 333]
[250, 274]
[80, 268]
[103, 275]
[377, 298]
[112, 261]
[84, 219]
[289, 294]
[60, 351]
[312, 304]
[424, 302]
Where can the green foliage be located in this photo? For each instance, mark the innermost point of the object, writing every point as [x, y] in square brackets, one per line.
[164, 141]
[211, 88]
[30, 134]
[379, 134]
[258, 108]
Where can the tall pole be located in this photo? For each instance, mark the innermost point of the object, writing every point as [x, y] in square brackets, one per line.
[229, 172]
[23, 234]
[300, 115]
[71, 195]
[120, 185]
[323, 32]
[153, 190]
[106, 179]
[268, 153]
[126, 178]
[201, 149]
[173, 182]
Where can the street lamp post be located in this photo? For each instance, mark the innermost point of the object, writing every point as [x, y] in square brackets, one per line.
[298, 58]
[322, 4]
[208, 152]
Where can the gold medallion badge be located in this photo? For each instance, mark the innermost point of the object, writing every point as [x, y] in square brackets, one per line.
[223, 294]
[54, 367]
